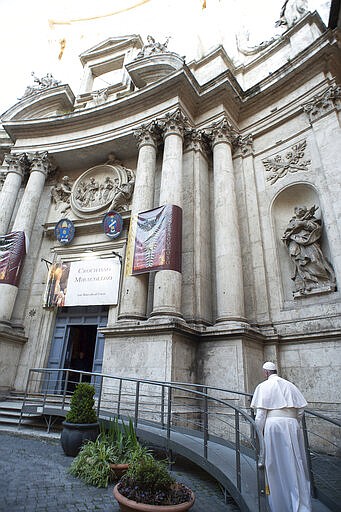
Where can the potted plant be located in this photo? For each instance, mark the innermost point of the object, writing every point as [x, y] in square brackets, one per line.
[147, 486]
[81, 422]
[108, 457]
[122, 437]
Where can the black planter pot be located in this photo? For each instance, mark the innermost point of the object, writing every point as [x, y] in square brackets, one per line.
[74, 434]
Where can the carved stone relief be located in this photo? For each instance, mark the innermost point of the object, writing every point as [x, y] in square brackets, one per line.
[323, 103]
[286, 162]
[104, 187]
[61, 195]
[312, 272]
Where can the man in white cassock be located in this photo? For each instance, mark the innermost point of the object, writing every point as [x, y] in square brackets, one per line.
[279, 410]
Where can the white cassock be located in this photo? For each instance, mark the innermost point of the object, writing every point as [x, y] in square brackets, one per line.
[280, 407]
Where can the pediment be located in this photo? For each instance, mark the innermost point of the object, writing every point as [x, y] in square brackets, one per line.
[42, 104]
[112, 46]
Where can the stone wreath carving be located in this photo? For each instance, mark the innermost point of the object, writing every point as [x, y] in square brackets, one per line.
[291, 162]
[312, 272]
[105, 187]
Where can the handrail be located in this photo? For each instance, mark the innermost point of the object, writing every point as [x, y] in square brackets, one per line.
[175, 407]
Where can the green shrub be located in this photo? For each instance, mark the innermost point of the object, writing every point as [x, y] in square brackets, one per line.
[82, 405]
[117, 444]
[149, 473]
[92, 464]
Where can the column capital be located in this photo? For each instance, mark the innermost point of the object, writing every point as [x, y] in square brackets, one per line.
[221, 131]
[147, 135]
[173, 123]
[42, 162]
[243, 146]
[323, 103]
[197, 140]
[17, 163]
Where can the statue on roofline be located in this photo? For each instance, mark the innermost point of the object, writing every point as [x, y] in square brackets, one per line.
[152, 47]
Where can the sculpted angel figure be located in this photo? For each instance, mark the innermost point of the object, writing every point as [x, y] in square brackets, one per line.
[302, 238]
[61, 193]
[123, 194]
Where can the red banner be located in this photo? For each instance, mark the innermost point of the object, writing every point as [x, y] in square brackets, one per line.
[158, 240]
[12, 253]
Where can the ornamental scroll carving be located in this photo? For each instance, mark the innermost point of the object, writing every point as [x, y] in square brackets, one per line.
[289, 162]
[323, 103]
[312, 271]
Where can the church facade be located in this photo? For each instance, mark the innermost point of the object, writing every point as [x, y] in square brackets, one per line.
[182, 224]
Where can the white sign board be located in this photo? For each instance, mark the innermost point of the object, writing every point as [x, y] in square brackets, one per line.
[93, 281]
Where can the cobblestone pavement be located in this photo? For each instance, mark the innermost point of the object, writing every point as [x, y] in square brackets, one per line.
[34, 478]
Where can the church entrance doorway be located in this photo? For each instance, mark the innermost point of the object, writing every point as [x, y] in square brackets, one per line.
[77, 344]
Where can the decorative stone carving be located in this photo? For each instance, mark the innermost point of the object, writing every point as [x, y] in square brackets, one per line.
[197, 140]
[313, 273]
[289, 162]
[173, 122]
[152, 47]
[148, 134]
[291, 12]
[323, 103]
[222, 131]
[123, 193]
[42, 162]
[242, 40]
[40, 84]
[243, 145]
[18, 162]
[61, 194]
[109, 186]
[98, 97]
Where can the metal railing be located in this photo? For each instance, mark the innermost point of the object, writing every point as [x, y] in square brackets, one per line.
[214, 427]
[217, 432]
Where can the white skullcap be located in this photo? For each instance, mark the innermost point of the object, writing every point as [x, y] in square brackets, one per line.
[269, 366]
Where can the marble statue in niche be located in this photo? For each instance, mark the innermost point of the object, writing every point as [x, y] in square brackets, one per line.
[312, 272]
[61, 194]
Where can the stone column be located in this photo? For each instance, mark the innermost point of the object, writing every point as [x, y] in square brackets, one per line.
[167, 285]
[135, 288]
[26, 215]
[9, 193]
[256, 293]
[24, 221]
[324, 114]
[196, 241]
[228, 259]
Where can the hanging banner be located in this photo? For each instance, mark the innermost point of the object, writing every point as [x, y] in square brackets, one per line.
[83, 283]
[12, 254]
[158, 240]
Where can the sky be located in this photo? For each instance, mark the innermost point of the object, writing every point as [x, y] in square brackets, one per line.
[32, 31]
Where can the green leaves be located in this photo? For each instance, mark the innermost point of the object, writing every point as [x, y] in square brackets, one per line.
[82, 405]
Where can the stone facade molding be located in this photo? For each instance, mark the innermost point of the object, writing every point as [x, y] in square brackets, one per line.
[286, 162]
[323, 103]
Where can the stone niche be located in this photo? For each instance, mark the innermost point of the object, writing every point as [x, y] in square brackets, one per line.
[303, 258]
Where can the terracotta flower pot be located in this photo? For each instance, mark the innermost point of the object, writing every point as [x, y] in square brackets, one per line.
[118, 470]
[132, 506]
